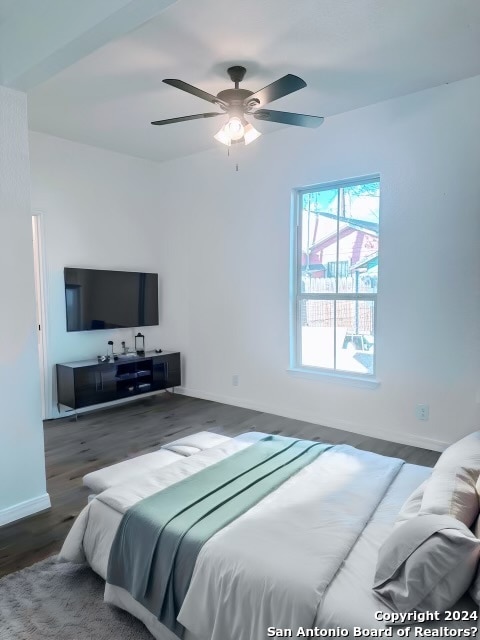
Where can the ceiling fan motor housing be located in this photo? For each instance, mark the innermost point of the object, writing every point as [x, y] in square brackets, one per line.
[234, 97]
[236, 73]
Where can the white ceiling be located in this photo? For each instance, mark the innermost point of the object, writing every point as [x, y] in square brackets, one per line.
[351, 53]
[10, 8]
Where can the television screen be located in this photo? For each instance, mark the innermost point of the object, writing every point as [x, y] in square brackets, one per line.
[97, 299]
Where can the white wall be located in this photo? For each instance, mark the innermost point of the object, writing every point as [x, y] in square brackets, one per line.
[100, 210]
[220, 241]
[22, 468]
[426, 148]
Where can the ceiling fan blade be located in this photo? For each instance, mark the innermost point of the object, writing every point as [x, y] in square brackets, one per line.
[298, 119]
[281, 87]
[197, 116]
[184, 86]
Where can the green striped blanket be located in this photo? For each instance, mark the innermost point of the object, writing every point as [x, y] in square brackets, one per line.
[157, 543]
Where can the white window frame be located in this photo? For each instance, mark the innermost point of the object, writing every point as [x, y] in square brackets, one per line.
[296, 295]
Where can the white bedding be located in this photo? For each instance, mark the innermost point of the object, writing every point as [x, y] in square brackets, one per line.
[222, 604]
[92, 534]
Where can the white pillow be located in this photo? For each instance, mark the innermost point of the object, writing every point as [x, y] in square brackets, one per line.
[412, 506]
[451, 488]
[465, 452]
[475, 587]
[189, 445]
[182, 449]
[124, 471]
[426, 564]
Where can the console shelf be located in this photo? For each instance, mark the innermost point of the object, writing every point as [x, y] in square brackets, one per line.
[88, 382]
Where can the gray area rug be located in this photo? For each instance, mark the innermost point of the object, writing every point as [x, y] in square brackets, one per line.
[57, 601]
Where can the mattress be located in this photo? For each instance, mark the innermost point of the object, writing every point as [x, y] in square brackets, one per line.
[348, 603]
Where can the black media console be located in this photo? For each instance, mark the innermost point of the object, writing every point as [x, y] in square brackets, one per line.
[89, 382]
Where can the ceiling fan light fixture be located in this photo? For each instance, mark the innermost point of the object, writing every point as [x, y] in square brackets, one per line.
[251, 133]
[223, 137]
[235, 128]
[234, 131]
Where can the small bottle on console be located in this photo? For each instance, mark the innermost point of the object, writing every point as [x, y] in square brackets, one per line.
[140, 344]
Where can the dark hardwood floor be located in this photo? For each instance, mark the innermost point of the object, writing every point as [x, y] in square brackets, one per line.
[100, 438]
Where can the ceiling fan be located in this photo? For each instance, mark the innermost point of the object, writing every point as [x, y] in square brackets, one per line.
[237, 103]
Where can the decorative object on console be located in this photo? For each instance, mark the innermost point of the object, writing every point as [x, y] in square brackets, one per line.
[140, 344]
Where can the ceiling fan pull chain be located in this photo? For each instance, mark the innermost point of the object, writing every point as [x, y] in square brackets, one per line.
[228, 156]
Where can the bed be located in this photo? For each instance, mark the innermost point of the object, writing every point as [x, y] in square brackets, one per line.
[301, 562]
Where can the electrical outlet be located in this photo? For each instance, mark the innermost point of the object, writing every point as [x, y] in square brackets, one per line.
[235, 380]
[422, 411]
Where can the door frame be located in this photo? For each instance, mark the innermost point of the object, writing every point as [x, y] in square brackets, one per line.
[38, 241]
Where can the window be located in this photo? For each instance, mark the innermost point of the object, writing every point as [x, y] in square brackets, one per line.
[335, 268]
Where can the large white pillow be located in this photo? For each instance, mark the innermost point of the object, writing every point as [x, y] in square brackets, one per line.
[411, 508]
[426, 564]
[451, 488]
[451, 491]
[475, 587]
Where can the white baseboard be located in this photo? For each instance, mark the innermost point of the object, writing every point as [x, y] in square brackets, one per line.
[24, 509]
[392, 436]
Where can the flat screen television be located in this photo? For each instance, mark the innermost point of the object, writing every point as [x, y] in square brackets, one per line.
[100, 299]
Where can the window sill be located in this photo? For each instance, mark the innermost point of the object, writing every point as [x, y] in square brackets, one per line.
[337, 378]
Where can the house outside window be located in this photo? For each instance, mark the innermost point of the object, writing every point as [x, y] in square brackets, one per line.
[335, 276]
